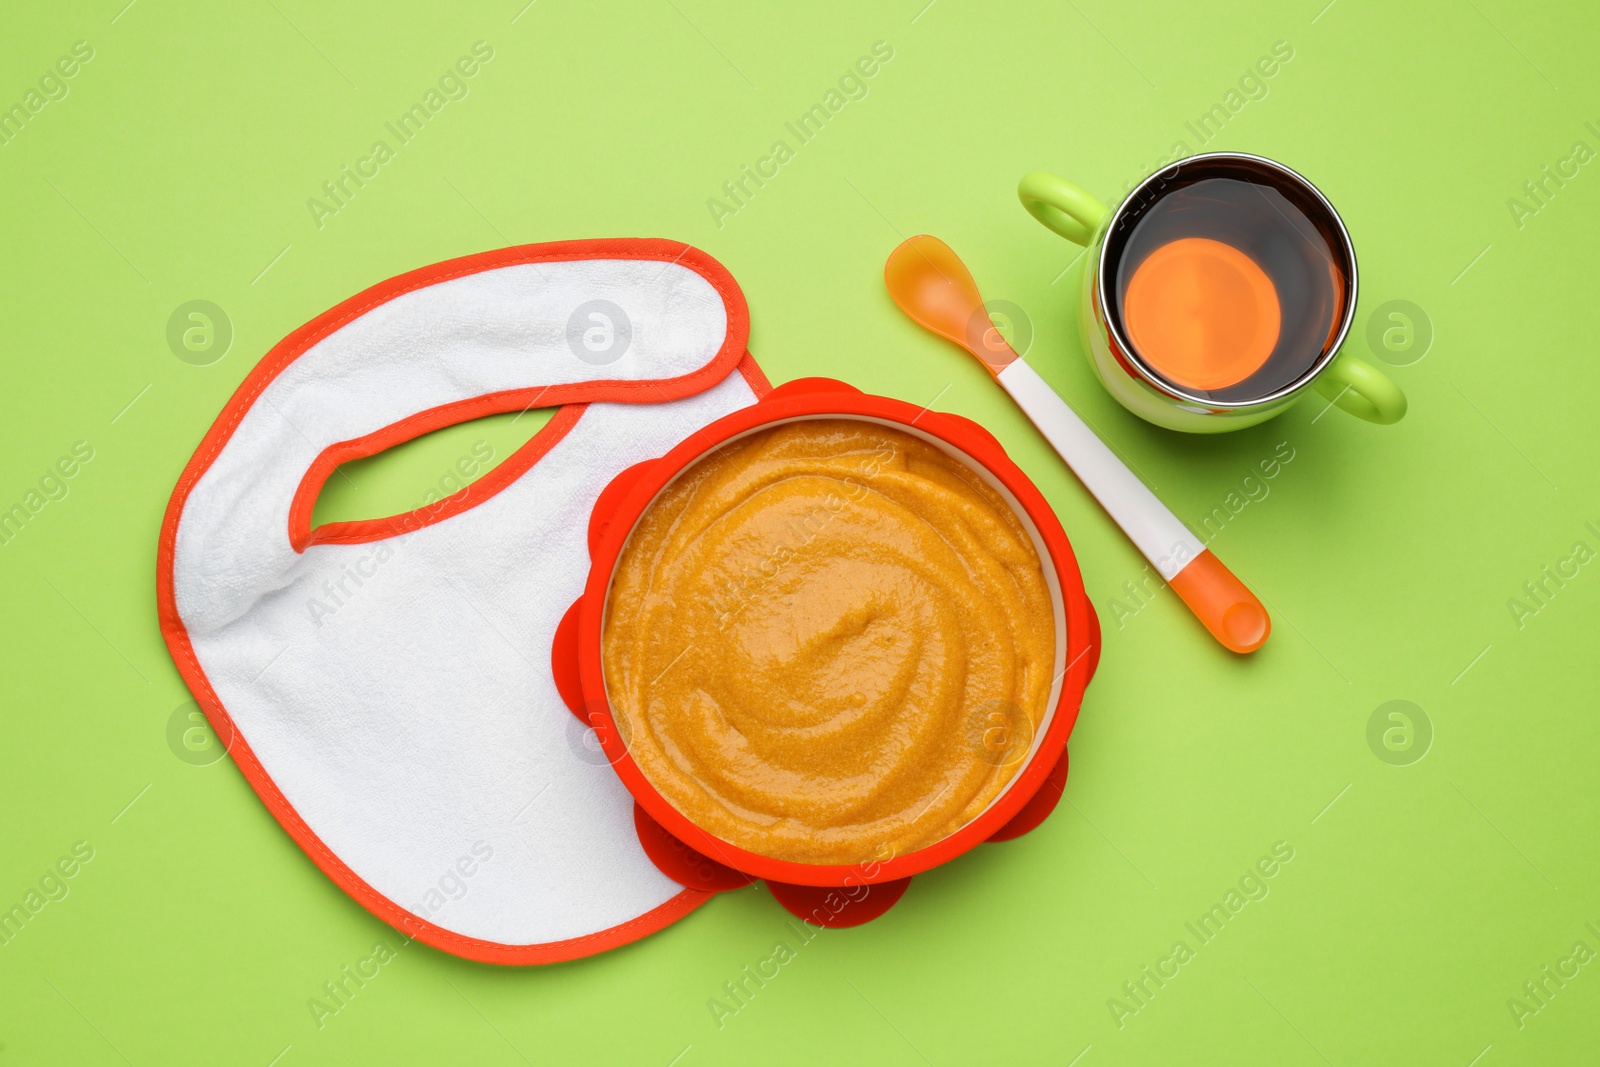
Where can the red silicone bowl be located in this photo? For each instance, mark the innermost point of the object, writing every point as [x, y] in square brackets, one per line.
[827, 894]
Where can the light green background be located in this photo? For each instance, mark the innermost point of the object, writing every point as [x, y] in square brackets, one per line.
[1420, 898]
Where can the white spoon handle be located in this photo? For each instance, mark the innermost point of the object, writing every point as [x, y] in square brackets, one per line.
[1165, 541]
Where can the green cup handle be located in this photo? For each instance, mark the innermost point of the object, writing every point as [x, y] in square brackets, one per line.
[1363, 390]
[1061, 206]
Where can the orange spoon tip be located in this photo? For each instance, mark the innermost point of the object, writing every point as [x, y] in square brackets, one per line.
[933, 287]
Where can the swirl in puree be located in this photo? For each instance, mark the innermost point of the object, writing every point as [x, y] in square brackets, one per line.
[828, 641]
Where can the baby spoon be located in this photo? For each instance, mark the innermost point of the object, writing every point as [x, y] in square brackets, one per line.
[931, 284]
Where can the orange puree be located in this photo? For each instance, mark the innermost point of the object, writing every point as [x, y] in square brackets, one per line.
[829, 642]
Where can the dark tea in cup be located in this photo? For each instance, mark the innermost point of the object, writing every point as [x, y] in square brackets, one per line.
[1230, 282]
[1220, 293]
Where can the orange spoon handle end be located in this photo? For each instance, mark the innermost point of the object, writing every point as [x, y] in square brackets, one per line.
[1222, 603]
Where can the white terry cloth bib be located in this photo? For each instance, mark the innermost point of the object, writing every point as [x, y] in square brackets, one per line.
[385, 685]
